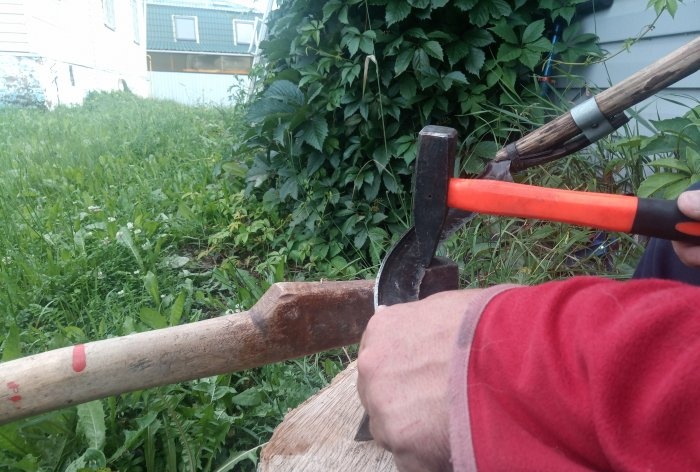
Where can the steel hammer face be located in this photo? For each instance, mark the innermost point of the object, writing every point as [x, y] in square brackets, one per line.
[434, 168]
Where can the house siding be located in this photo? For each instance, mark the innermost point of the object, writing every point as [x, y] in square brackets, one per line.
[625, 19]
[13, 26]
[197, 89]
[202, 71]
[71, 51]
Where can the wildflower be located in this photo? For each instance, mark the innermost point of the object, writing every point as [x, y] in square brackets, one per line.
[137, 272]
[100, 274]
[94, 208]
[120, 293]
[130, 225]
[111, 219]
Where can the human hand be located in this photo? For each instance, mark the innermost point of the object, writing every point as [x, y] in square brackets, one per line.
[403, 372]
[689, 205]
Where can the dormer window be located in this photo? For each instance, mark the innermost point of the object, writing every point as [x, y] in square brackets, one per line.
[185, 28]
[243, 32]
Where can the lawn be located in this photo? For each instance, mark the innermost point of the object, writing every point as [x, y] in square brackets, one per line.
[117, 217]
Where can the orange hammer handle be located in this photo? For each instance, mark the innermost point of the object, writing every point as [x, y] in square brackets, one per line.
[650, 217]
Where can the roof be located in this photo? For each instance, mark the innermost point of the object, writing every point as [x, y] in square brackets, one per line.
[215, 28]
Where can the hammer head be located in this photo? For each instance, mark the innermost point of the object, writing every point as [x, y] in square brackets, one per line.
[401, 275]
[434, 168]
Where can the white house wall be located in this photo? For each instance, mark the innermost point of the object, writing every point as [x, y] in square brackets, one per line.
[70, 51]
[196, 89]
[13, 26]
[625, 19]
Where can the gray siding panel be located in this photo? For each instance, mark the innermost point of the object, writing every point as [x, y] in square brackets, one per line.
[628, 18]
[625, 19]
[641, 55]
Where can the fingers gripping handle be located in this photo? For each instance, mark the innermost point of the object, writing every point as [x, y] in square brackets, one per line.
[649, 217]
[663, 219]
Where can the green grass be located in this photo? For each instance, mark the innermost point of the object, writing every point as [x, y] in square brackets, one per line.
[115, 217]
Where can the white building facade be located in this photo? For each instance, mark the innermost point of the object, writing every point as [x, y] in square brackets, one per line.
[54, 52]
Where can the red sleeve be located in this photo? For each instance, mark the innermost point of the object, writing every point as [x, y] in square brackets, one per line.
[587, 374]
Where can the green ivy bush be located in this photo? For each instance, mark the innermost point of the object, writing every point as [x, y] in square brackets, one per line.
[671, 155]
[349, 83]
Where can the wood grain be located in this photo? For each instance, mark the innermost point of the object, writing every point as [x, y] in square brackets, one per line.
[318, 435]
[292, 319]
[616, 99]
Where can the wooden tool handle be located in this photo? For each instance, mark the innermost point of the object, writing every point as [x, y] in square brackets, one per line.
[290, 320]
[640, 86]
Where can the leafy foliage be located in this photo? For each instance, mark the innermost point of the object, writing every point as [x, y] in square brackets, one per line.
[671, 6]
[349, 83]
[673, 152]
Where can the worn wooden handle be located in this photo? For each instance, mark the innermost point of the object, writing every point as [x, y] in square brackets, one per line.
[640, 86]
[290, 320]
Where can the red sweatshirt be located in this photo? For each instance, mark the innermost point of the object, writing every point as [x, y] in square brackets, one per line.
[579, 375]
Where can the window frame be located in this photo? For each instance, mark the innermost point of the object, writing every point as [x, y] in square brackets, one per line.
[196, 28]
[236, 42]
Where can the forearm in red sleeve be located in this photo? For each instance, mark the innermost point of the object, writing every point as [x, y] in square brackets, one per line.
[584, 374]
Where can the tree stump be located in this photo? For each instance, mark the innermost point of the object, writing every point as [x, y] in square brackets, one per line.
[318, 435]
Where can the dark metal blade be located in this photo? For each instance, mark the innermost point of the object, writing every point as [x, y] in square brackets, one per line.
[401, 273]
[363, 433]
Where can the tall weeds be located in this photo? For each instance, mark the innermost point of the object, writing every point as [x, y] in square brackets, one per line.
[117, 217]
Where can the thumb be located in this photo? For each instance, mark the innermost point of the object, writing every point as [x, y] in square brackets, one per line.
[689, 204]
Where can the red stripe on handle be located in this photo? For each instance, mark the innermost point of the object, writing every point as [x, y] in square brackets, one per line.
[596, 210]
[691, 228]
[79, 358]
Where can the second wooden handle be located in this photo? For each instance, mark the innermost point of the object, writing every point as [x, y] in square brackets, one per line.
[666, 71]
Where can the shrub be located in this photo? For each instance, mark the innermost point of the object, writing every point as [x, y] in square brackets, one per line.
[348, 85]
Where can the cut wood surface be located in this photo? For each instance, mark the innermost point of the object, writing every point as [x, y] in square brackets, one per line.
[292, 319]
[318, 435]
